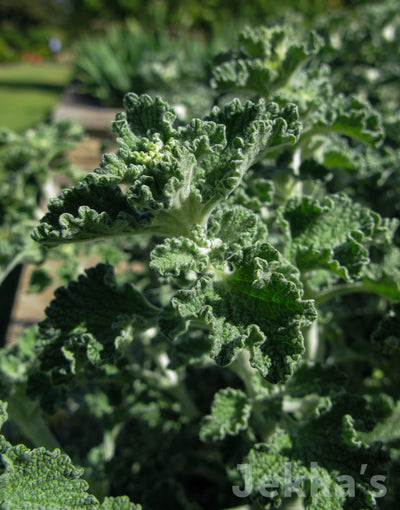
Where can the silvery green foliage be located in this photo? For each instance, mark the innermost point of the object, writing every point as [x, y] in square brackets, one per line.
[255, 329]
[174, 175]
[38, 478]
[230, 412]
[277, 64]
[264, 61]
[28, 162]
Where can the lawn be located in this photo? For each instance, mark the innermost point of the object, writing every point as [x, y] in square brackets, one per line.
[28, 92]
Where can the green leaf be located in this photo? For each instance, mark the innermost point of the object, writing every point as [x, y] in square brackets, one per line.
[119, 503]
[230, 228]
[311, 462]
[255, 304]
[236, 227]
[387, 431]
[190, 348]
[265, 60]
[27, 161]
[37, 479]
[230, 412]
[316, 378]
[89, 211]
[331, 438]
[177, 255]
[165, 179]
[91, 322]
[3, 413]
[16, 361]
[350, 116]
[37, 151]
[335, 234]
[33, 479]
[333, 152]
[275, 478]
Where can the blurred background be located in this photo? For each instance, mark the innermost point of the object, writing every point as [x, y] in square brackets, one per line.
[111, 47]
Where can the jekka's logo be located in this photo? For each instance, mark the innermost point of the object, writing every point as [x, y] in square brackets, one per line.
[311, 485]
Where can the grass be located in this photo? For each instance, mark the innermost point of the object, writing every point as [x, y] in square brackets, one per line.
[28, 92]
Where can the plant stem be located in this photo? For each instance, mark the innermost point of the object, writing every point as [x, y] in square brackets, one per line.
[242, 368]
[186, 403]
[340, 290]
[297, 190]
[313, 344]
[176, 386]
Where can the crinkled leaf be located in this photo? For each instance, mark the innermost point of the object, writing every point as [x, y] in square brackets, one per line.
[27, 161]
[176, 255]
[230, 228]
[309, 87]
[16, 361]
[236, 227]
[265, 60]
[350, 116]
[37, 479]
[37, 151]
[90, 322]
[164, 178]
[275, 478]
[334, 151]
[331, 438]
[258, 305]
[387, 431]
[316, 456]
[335, 234]
[33, 479]
[270, 63]
[382, 275]
[89, 211]
[329, 112]
[230, 412]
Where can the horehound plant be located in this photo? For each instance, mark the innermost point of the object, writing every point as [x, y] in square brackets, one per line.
[233, 367]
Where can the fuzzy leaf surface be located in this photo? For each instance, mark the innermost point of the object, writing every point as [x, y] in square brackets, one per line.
[258, 305]
[165, 178]
[230, 412]
[336, 234]
[331, 438]
[349, 116]
[311, 458]
[276, 478]
[34, 479]
[90, 322]
[229, 230]
[264, 60]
